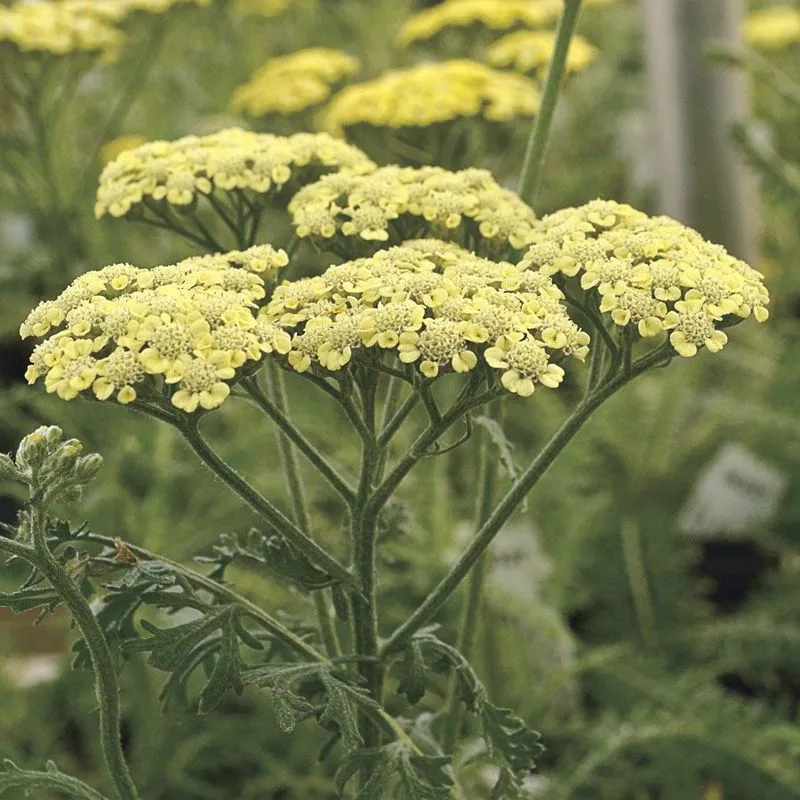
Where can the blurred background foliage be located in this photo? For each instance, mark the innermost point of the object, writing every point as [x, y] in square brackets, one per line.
[659, 659]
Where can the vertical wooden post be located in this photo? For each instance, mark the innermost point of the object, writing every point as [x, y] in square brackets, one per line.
[702, 180]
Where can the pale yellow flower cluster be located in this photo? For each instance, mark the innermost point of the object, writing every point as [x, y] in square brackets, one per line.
[432, 93]
[179, 172]
[397, 203]
[530, 51]
[295, 82]
[495, 14]
[125, 333]
[260, 8]
[431, 304]
[772, 28]
[650, 272]
[58, 28]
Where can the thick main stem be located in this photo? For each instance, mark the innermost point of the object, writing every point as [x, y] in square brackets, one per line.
[105, 671]
[537, 142]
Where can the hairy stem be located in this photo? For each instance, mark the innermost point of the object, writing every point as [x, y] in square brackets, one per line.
[540, 133]
[276, 519]
[278, 415]
[105, 671]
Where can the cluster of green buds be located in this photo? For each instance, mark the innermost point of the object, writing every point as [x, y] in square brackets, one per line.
[54, 468]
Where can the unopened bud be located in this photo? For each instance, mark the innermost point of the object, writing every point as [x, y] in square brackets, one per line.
[53, 434]
[32, 450]
[87, 467]
[66, 457]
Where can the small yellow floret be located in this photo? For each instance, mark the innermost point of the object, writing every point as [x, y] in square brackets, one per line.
[650, 273]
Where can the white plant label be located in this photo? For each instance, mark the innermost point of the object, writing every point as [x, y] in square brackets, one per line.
[737, 494]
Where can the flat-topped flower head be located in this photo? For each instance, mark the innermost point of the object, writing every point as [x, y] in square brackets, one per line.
[772, 28]
[487, 13]
[430, 94]
[649, 273]
[180, 172]
[126, 333]
[432, 305]
[58, 28]
[293, 83]
[531, 51]
[393, 204]
[492, 15]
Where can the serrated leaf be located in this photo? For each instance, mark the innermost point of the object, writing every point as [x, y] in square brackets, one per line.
[276, 554]
[412, 673]
[510, 739]
[227, 672]
[170, 648]
[32, 597]
[341, 709]
[152, 573]
[12, 777]
[395, 770]
[280, 682]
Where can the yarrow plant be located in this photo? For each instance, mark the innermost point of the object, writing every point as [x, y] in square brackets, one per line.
[445, 297]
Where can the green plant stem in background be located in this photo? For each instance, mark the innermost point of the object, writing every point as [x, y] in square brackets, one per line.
[636, 570]
[290, 431]
[125, 100]
[297, 494]
[280, 523]
[105, 672]
[515, 495]
[470, 618]
[540, 133]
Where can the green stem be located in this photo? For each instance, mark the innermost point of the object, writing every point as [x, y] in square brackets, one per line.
[277, 520]
[637, 580]
[125, 100]
[516, 495]
[105, 671]
[540, 133]
[290, 431]
[487, 484]
[297, 494]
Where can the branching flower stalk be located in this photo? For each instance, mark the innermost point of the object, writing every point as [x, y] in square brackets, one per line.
[440, 275]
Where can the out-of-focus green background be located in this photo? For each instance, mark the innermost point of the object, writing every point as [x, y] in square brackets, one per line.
[643, 610]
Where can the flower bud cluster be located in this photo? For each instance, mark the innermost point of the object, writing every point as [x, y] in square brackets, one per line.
[293, 83]
[178, 172]
[395, 203]
[531, 51]
[432, 304]
[651, 273]
[48, 463]
[124, 333]
[432, 93]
